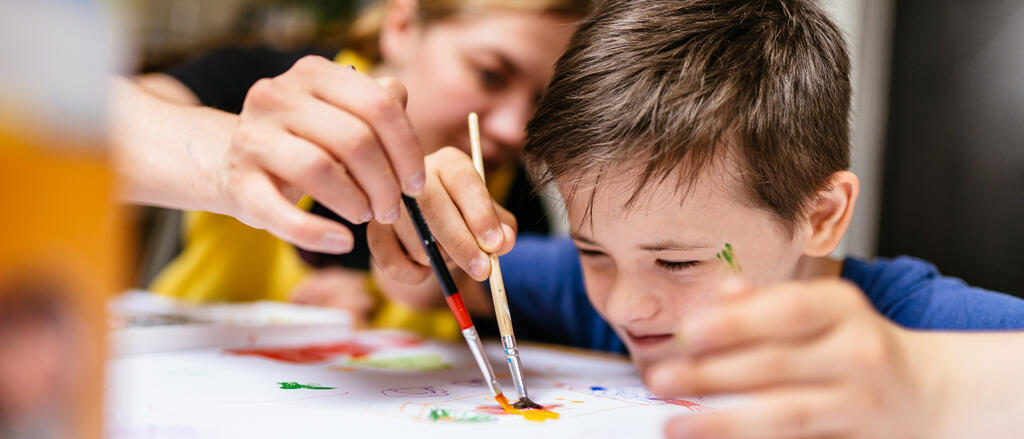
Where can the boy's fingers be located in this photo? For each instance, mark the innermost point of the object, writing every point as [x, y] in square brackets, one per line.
[804, 412]
[395, 88]
[509, 227]
[469, 194]
[409, 239]
[746, 370]
[389, 256]
[379, 107]
[510, 239]
[785, 312]
[268, 209]
[452, 235]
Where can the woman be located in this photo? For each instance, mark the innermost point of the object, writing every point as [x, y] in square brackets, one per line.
[453, 57]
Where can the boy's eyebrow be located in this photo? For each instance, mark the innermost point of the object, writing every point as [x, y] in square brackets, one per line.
[583, 239]
[670, 244]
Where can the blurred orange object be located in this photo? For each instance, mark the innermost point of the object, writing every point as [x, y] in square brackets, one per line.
[61, 256]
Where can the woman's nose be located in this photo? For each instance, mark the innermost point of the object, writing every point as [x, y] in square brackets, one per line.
[505, 124]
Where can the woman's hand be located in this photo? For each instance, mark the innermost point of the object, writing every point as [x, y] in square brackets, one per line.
[816, 358]
[328, 131]
[319, 129]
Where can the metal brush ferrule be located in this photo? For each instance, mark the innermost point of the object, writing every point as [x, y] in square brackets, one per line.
[477, 348]
[514, 364]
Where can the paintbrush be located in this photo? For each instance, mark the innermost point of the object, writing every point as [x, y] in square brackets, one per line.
[452, 296]
[508, 338]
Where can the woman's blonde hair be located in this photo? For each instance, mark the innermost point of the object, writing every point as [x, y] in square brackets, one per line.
[363, 35]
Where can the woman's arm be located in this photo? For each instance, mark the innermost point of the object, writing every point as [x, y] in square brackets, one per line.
[974, 381]
[319, 129]
[167, 146]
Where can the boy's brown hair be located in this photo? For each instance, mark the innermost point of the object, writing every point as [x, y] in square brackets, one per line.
[674, 85]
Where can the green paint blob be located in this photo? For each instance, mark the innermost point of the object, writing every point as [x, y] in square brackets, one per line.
[443, 414]
[728, 256]
[415, 362]
[291, 385]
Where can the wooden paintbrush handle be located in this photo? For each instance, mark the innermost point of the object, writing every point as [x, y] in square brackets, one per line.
[500, 301]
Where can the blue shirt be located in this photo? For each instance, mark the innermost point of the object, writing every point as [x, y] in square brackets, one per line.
[549, 304]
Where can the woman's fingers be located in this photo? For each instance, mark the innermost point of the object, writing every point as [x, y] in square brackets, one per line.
[788, 311]
[382, 109]
[337, 135]
[794, 413]
[318, 174]
[352, 143]
[264, 207]
[750, 369]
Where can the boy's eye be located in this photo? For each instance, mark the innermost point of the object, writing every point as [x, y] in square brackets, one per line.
[676, 265]
[590, 253]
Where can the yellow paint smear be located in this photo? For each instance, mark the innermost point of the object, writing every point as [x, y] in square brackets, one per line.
[536, 415]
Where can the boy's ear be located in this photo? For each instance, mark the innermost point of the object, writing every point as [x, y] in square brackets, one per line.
[398, 30]
[831, 214]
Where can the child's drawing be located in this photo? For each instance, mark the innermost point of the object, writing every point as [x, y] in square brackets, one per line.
[376, 384]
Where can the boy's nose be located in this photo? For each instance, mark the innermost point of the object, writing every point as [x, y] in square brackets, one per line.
[629, 302]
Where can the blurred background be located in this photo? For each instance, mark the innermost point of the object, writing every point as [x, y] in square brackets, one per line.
[938, 121]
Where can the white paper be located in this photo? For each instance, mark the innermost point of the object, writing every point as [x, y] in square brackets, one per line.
[211, 393]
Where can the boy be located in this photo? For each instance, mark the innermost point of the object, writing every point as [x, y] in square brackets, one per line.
[702, 147]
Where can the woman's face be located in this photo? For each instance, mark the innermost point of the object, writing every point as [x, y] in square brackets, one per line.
[494, 63]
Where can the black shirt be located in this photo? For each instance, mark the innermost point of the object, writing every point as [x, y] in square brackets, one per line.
[222, 78]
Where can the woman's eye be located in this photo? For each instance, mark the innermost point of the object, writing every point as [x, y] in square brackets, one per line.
[491, 79]
[676, 265]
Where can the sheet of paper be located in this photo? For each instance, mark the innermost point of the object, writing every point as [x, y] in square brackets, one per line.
[377, 384]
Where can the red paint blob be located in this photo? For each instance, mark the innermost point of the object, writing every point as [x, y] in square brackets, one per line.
[324, 352]
[694, 407]
[309, 354]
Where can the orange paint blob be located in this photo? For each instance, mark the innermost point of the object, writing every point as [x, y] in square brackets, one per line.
[536, 415]
[503, 402]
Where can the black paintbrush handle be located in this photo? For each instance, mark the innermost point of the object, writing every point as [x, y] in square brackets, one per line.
[430, 246]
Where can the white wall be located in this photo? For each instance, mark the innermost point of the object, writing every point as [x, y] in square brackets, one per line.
[868, 28]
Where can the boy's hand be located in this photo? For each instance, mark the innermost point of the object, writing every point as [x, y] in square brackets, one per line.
[327, 131]
[465, 221]
[815, 357]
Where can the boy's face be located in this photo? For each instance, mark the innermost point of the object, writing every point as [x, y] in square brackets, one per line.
[650, 267]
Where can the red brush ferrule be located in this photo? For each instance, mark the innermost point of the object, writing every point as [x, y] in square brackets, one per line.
[459, 310]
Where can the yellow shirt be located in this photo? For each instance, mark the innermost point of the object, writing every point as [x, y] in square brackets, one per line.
[225, 260]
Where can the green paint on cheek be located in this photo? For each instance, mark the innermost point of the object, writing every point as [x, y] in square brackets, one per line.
[728, 256]
[442, 414]
[291, 385]
[415, 362]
